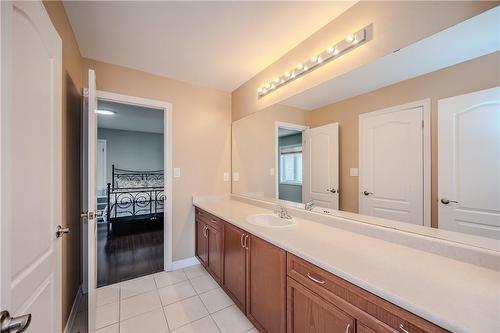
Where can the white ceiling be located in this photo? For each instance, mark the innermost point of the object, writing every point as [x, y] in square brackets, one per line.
[467, 40]
[130, 117]
[216, 44]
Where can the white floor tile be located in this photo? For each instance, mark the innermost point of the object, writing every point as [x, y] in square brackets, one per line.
[204, 283]
[108, 294]
[216, 300]
[204, 325]
[139, 304]
[109, 329]
[231, 320]
[107, 315]
[164, 279]
[195, 271]
[176, 292]
[137, 286]
[253, 330]
[150, 322]
[184, 312]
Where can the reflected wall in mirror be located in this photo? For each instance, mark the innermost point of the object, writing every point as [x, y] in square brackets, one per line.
[413, 137]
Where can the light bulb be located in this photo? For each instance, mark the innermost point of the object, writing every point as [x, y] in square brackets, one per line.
[300, 66]
[350, 39]
[330, 49]
[336, 51]
[287, 74]
[320, 60]
[314, 58]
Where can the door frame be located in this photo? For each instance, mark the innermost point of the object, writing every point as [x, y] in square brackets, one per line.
[425, 104]
[167, 157]
[277, 126]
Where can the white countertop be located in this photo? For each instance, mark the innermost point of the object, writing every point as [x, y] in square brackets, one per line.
[458, 296]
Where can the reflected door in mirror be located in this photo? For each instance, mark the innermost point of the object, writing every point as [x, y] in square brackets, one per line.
[469, 163]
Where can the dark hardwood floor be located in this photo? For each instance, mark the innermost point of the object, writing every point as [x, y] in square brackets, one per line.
[128, 255]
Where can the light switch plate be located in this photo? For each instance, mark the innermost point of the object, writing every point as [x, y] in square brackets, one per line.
[236, 176]
[271, 171]
[177, 172]
[353, 172]
[226, 176]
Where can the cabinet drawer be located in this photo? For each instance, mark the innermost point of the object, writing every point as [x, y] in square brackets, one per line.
[351, 298]
[209, 219]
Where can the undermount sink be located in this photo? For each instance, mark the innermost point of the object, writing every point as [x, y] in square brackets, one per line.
[270, 221]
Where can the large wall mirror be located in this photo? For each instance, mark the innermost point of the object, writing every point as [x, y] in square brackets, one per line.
[413, 137]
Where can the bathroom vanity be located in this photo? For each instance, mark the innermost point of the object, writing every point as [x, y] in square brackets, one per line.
[324, 277]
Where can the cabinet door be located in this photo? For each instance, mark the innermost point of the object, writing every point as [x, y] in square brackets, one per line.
[308, 313]
[266, 286]
[235, 265]
[201, 243]
[215, 252]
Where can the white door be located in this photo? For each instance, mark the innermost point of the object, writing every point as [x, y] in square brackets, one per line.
[469, 163]
[321, 166]
[101, 167]
[391, 165]
[30, 178]
[91, 196]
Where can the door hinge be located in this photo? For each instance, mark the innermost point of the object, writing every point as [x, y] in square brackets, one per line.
[422, 124]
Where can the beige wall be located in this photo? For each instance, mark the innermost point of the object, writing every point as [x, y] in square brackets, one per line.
[71, 115]
[201, 138]
[395, 25]
[473, 75]
[253, 152]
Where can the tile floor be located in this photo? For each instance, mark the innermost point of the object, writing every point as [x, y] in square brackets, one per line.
[187, 300]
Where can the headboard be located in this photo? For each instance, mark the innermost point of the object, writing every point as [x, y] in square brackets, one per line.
[122, 178]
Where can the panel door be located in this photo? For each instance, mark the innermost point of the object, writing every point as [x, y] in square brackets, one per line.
[91, 203]
[391, 165]
[235, 265]
[321, 165]
[309, 313]
[215, 252]
[266, 304]
[469, 163]
[202, 243]
[30, 156]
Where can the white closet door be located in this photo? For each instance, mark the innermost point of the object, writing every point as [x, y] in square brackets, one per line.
[321, 166]
[391, 164]
[30, 154]
[469, 163]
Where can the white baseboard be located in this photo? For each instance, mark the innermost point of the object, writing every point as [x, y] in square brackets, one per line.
[74, 311]
[183, 263]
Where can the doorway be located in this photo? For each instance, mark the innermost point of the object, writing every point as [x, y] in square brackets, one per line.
[288, 161]
[134, 232]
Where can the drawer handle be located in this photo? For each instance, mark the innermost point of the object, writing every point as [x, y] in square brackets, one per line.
[314, 279]
[213, 220]
[347, 328]
[246, 245]
[402, 328]
[241, 240]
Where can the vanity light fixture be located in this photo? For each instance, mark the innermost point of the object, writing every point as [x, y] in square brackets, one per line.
[105, 112]
[349, 43]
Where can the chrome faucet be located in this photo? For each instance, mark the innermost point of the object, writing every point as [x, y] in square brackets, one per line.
[282, 212]
[310, 205]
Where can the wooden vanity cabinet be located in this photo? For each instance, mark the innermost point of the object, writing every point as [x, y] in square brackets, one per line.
[235, 258]
[266, 285]
[209, 243]
[309, 313]
[372, 313]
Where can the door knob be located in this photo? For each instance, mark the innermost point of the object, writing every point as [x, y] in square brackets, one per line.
[10, 324]
[446, 201]
[60, 231]
[367, 193]
[332, 190]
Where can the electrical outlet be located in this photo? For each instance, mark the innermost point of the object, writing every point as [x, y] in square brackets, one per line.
[353, 172]
[177, 172]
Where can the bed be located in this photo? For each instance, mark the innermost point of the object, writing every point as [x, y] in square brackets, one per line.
[133, 197]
